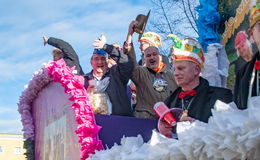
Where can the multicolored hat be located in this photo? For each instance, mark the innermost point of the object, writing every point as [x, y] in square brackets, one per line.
[100, 51]
[241, 38]
[255, 14]
[187, 49]
[153, 38]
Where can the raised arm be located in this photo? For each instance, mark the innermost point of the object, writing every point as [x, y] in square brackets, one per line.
[124, 65]
[69, 54]
[128, 45]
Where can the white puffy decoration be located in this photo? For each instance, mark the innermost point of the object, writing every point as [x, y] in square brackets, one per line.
[230, 134]
[216, 65]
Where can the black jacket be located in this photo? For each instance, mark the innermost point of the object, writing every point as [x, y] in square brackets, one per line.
[241, 89]
[239, 63]
[204, 100]
[69, 54]
[119, 75]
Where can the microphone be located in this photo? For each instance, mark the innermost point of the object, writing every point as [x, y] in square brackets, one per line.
[164, 112]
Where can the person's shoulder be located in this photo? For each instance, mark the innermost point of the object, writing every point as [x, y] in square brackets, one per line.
[173, 96]
[219, 89]
[88, 76]
[220, 92]
[247, 67]
[143, 68]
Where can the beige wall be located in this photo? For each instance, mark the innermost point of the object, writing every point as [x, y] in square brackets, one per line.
[11, 144]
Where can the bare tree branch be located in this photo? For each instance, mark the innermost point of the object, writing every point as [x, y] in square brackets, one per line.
[164, 14]
[192, 15]
[168, 16]
[185, 12]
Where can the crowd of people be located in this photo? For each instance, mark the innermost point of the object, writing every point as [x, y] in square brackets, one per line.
[120, 85]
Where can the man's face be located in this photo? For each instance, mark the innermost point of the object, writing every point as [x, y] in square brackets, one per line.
[255, 33]
[99, 63]
[152, 57]
[185, 72]
[143, 46]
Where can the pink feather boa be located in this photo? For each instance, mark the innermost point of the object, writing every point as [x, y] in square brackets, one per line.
[58, 71]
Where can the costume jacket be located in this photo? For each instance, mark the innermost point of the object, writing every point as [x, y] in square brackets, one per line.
[243, 78]
[146, 93]
[203, 101]
[118, 75]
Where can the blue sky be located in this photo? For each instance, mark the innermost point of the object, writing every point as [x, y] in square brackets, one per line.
[79, 22]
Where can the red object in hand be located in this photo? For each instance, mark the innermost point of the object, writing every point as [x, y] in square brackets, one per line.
[164, 113]
[257, 65]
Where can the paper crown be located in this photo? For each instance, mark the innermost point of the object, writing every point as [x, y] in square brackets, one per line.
[187, 49]
[241, 38]
[152, 38]
[100, 51]
[255, 14]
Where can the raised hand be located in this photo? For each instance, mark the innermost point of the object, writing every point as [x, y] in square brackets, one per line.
[131, 28]
[186, 118]
[98, 44]
[164, 128]
[45, 40]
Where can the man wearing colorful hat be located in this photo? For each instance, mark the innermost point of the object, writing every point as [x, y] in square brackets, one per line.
[194, 95]
[244, 50]
[146, 40]
[106, 86]
[151, 39]
[154, 81]
[247, 82]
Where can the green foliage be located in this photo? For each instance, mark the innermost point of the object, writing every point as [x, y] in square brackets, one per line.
[29, 146]
[226, 9]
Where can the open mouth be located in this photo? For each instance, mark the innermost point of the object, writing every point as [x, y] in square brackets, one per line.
[100, 66]
[152, 62]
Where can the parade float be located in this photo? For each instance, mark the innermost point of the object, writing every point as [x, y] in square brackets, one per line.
[59, 123]
[57, 117]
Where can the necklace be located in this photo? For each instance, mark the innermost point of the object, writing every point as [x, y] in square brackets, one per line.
[185, 109]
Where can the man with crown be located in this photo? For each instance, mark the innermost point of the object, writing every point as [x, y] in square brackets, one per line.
[154, 81]
[248, 79]
[194, 95]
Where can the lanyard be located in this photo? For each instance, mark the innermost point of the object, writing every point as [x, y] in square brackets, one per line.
[185, 109]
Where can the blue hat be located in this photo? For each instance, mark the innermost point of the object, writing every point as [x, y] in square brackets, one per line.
[100, 51]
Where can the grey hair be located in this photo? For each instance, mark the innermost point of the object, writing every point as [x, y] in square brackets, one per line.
[152, 47]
